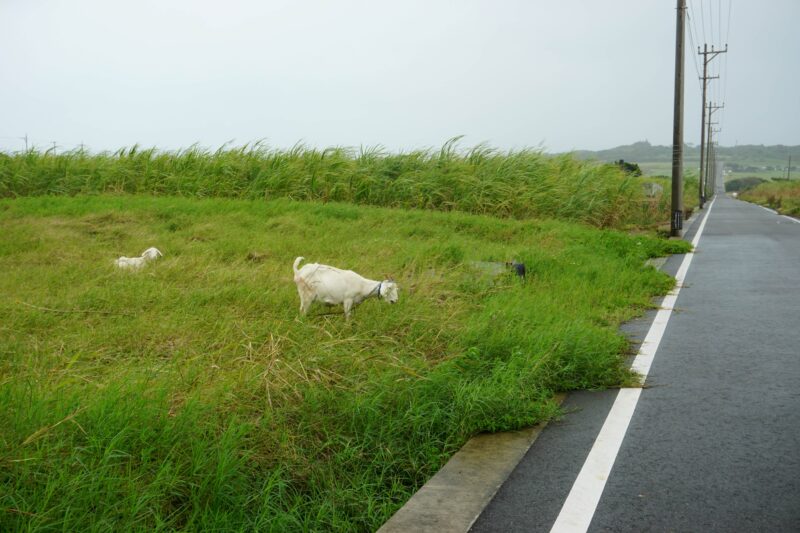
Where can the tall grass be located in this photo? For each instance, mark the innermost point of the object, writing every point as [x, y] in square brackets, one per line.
[191, 395]
[481, 180]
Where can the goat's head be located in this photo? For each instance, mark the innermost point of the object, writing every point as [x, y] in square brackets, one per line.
[152, 253]
[389, 291]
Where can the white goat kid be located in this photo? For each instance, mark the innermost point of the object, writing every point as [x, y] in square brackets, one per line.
[333, 286]
[135, 263]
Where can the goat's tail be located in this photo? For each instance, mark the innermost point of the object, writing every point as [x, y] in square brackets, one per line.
[297, 263]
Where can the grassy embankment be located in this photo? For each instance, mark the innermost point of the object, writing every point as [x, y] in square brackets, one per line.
[191, 395]
[783, 196]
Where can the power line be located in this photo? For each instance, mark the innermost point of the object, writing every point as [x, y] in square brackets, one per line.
[715, 68]
[719, 65]
[730, 6]
[714, 36]
[725, 81]
[691, 39]
[692, 18]
[692, 33]
[711, 22]
[703, 20]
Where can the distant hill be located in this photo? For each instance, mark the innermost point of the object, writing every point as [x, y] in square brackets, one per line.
[754, 158]
[641, 151]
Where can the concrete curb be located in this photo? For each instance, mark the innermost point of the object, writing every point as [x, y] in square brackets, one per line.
[452, 499]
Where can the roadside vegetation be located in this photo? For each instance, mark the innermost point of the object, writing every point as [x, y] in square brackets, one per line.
[781, 195]
[191, 395]
[518, 184]
[739, 185]
[662, 201]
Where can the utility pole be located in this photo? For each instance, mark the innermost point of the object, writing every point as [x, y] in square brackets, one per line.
[789, 169]
[713, 166]
[711, 109]
[676, 221]
[710, 146]
[710, 185]
[714, 161]
[711, 160]
[26, 142]
[707, 56]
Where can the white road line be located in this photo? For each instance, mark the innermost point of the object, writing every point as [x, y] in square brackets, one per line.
[581, 503]
[776, 213]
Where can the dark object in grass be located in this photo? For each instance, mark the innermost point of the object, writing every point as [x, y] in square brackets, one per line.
[256, 257]
[496, 268]
[519, 268]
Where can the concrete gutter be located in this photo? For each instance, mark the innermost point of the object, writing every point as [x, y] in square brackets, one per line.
[452, 499]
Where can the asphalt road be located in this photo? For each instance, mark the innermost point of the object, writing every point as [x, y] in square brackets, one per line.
[714, 441]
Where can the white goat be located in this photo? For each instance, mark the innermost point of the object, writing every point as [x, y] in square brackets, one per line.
[136, 263]
[333, 286]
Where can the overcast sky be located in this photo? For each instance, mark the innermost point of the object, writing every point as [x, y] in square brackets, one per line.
[570, 74]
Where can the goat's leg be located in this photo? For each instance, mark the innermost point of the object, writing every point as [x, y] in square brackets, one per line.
[306, 299]
[348, 307]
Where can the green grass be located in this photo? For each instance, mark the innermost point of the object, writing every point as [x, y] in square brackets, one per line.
[192, 396]
[480, 180]
[663, 202]
[783, 196]
[738, 185]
